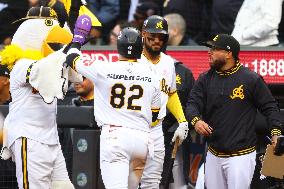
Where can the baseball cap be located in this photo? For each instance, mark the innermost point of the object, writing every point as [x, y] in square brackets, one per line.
[225, 42]
[4, 71]
[39, 12]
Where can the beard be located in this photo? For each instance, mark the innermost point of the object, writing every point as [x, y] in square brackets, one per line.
[151, 51]
[218, 64]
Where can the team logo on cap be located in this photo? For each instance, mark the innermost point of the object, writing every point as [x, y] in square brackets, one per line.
[52, 13]
[215, 38]
[159, 25]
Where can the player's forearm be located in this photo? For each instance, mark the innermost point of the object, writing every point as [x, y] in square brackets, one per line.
[73, 54]
[174, 106]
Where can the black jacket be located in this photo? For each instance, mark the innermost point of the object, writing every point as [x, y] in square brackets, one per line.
[228, 102]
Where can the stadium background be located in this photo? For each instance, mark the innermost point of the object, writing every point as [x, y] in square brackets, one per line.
[82, 156]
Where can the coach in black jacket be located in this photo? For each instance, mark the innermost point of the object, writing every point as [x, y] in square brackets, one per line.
[184, 83]
[223, 106]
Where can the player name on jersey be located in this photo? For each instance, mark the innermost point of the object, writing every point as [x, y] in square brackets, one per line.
[129, 77]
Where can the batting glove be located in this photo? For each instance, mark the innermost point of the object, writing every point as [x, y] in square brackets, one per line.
[181, 132]
[82, 29]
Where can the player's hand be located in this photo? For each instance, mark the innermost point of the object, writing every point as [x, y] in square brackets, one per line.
[278, 145]
[181, 132]
[203, 128]
[82, 29]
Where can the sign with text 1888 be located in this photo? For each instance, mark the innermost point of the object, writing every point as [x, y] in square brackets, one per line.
[268, 64]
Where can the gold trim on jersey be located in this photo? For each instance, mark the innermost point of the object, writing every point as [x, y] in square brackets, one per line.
[24, 163]
[230, 71]
[155, 109]
[153, 62]
[74, 63]
[173, 92]
[231, 154]
[275, 132]
[155, 113]
[128, 60]
[194, 120]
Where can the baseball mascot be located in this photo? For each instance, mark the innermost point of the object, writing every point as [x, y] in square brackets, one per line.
[36, 59]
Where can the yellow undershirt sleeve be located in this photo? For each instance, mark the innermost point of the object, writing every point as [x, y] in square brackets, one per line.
[174, 106]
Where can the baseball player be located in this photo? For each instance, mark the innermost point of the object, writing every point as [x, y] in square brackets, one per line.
[155, 35]
[126, 93]
[180, 169]
[32, 138]
[222, 106]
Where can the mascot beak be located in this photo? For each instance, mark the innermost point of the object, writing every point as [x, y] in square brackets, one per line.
[56, 39]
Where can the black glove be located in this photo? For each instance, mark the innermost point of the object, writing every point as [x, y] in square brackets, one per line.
[279, 148]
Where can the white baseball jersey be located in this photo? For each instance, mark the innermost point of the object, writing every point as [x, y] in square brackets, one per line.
[29, 116]
[165, 69]
[124, 93]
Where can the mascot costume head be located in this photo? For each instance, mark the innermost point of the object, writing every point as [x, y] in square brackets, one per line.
[37, 37]
[40, 39]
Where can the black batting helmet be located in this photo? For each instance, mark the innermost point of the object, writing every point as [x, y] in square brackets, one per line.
[129, 43]
[155, 24]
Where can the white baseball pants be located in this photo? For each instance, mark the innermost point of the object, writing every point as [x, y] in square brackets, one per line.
[229, 173]
[120, 146]
[38, 164]
[152, 173]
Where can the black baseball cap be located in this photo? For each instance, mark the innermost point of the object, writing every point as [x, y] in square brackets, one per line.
[4, 71]
[39, 12]
[225, 42]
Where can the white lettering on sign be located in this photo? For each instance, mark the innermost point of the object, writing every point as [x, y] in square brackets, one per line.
[270, 67]
[89, 59]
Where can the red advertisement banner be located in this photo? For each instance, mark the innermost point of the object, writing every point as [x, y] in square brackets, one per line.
[268, 64]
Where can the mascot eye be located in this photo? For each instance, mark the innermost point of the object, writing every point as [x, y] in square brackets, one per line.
[48, 22]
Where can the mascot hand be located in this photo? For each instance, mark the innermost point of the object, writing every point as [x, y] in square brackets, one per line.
[82, 29]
